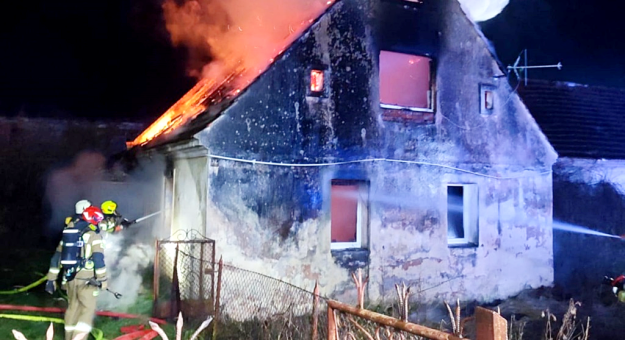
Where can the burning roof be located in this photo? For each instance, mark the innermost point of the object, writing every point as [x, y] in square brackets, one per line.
[243, 38]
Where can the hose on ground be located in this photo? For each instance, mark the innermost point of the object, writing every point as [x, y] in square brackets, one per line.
[97, 333]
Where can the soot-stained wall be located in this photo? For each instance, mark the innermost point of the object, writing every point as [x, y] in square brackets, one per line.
[275, 218]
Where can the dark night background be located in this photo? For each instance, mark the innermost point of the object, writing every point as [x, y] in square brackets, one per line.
[113, 59]
[95, 59]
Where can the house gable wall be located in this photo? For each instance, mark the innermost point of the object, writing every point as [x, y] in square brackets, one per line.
[275, 218]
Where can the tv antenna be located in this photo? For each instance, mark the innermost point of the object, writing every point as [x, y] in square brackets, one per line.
[518, 69]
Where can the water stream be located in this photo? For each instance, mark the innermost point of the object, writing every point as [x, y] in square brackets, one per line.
[557, 225]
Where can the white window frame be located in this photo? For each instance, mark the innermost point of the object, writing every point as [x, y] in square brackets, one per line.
[361, 218]
[430, 94]
[470, 216]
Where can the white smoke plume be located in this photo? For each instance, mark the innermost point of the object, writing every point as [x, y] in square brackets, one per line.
[129, 253]
[482, 10]
[67, 185]
[125, 274]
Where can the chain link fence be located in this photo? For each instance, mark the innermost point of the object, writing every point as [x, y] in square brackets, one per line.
[255, 306]
[245, 304]
[184, 278]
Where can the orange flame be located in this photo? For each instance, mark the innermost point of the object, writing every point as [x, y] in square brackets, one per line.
[186, 108]
[240, 55]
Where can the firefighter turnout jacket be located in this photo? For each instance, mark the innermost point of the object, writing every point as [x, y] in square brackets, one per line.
[80, 256]
[88, 253]
[111, 223]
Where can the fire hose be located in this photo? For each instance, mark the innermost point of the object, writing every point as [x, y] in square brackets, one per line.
[97, 333]
[61, 310]
[25, 288]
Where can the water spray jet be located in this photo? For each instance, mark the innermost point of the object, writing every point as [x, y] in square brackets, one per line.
[146, 217]
[582, 230]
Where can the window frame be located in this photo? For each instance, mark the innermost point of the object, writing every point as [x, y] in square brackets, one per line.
[322, 74]
[432, 85]
[470, 215]
[361, 215]
[484, 90]
[326, 82]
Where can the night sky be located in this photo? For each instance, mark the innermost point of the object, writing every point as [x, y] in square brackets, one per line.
[113, 58]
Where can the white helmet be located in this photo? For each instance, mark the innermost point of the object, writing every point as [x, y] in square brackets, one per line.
[81, 206]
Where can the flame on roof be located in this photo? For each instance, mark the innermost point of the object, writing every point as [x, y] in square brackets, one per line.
[243, 48]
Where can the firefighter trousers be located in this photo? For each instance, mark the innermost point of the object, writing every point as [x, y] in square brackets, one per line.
[79, 315]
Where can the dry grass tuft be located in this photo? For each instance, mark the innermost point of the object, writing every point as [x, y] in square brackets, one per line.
[516, 328]
[570, 329]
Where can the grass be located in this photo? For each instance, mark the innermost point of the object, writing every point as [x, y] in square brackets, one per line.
[23, 266]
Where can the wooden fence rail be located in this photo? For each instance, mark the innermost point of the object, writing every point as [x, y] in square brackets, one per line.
[489, 324]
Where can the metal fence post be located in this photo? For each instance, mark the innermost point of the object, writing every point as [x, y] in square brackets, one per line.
[315, 312]
[155, 279]
[218, 296]
[201, 266]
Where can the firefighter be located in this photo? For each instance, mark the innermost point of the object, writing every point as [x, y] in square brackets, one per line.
[80, 207]
[113, 221]
[81, 256]
[618, 286]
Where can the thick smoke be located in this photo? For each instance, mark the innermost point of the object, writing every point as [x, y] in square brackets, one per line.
[127, 260]
[129, 253]
[67, 185]
[482, 10]
[237, 34]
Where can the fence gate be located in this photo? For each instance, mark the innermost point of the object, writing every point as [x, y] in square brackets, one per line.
[184, 278]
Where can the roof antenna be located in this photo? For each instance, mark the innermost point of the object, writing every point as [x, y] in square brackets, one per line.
[523, 69]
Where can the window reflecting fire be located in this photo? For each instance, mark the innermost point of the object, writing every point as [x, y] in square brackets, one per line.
[316, 81]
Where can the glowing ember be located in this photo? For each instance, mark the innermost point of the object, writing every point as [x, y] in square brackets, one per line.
[238, 55]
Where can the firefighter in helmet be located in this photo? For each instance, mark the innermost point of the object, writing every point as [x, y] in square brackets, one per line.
[80, 207]
[113, 221]
[618, 286]
[80, 254]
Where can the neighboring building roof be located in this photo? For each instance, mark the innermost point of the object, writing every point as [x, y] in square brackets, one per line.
[580, 121]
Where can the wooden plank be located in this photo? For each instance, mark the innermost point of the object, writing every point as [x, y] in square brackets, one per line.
[331, 324]
[490, 325]
[315, 313]
[385, 320]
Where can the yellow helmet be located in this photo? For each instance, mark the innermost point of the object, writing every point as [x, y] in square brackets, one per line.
[108, 207]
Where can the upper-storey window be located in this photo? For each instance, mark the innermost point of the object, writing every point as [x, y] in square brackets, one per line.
[405, 81]
[316, 81]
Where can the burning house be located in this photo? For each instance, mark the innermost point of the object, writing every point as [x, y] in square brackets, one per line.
[373, 134]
